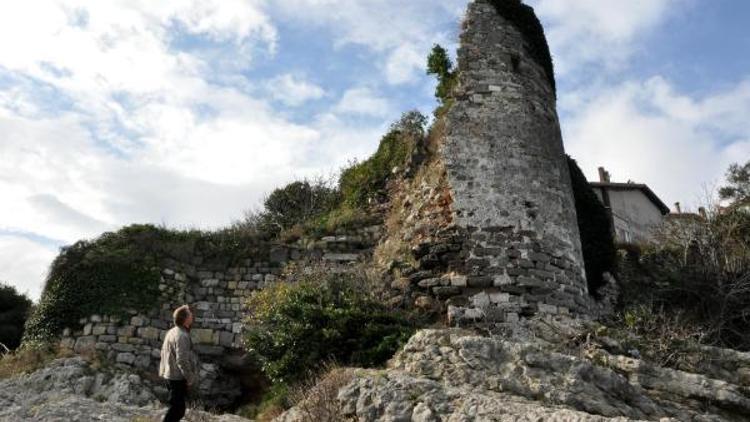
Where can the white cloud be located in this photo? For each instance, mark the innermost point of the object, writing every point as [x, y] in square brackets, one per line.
[363, 101]
[649, 133]
[402, 32]
[601, 32]
[293, 90]
[24, 264]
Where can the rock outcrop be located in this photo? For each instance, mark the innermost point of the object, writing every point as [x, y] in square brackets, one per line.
[457, 375]
[70, 389]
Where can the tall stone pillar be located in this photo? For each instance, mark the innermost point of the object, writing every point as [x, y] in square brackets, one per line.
[507, 172]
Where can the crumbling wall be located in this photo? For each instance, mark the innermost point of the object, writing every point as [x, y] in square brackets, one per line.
[216, 292]
[509, 247]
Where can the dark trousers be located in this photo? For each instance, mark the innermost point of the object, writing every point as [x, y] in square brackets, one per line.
[177, 397]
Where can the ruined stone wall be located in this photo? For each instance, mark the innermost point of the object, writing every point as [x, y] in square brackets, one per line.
[493, 235]
[507, 172]
[216, 294]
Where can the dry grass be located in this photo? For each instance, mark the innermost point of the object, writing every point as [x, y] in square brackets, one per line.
[317, 399]
[29, 358]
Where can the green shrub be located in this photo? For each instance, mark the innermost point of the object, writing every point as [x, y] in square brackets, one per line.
[296, 203]
[440, 65]
[293, 327]
[14, 309]
[366, 181]
[597, 243]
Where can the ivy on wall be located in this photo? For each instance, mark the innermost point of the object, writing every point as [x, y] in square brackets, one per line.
[120, 271]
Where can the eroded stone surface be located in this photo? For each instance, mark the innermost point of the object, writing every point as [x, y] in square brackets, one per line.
[527, 375]
[71, 390]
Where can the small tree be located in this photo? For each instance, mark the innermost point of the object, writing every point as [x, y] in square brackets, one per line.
[14, 309]
[440, 65]
[738, 187]
[297, 203]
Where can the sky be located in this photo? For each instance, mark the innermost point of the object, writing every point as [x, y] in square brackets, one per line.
[187, 112]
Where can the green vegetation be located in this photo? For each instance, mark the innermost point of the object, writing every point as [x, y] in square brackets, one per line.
[14, 309]
[118, 272]
[365, 182]
[524, 18]
[737, 189]
[440, 65]
[315, 208]
[295, 203]
[293, 327]
[597, 243]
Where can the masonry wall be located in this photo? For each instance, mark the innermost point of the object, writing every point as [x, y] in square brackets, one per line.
[217, 295]
[507, 171]
[502, 240]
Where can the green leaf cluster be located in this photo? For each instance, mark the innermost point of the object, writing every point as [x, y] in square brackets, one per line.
[293, 328]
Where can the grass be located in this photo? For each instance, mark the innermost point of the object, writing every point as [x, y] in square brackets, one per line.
[29, 358]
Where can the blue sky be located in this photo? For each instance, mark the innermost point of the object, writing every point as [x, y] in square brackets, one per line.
[185, 112]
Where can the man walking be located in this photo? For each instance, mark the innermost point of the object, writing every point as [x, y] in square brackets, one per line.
[178, 364]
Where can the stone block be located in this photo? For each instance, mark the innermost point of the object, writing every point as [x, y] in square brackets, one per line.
[126, 331]
[499, 297]
[150, 333]
[84, 344]
[226, 338]
[143, 361]
[202, 335]
[458, 280]
[208, 350]
[87, 329]
[123, 347]
[108, 338]
[126, 358]
[99, 329]
[138, 321]
[481, 300]
[480, 281]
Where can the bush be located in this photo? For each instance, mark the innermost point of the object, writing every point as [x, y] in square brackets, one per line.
[666, 338]
[700, 268]
[297, 202]
[364, 182]
[597, 243]
[14, 309]
[293, 327]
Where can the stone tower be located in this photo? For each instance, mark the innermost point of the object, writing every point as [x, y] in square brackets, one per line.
[507, 172]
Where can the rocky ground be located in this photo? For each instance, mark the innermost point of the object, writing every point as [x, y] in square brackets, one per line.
[457, 375]
[539, 371]
[71, 389]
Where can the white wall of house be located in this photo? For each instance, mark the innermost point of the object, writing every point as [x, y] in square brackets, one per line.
[634, 215]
